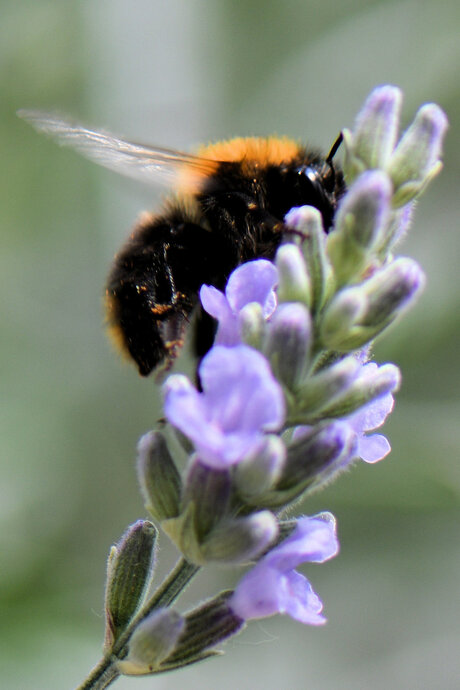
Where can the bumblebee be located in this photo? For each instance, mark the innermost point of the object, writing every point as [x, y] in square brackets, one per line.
[228, 207]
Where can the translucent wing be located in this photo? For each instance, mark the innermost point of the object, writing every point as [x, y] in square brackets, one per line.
[148, 164]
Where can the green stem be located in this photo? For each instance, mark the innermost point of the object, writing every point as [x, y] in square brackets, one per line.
[101, 676]
[106, 671]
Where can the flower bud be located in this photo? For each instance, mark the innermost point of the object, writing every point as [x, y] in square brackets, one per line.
[154, 639]
[204, 505]
[312, 457]
[242, 539]
[293, 280]
[373, 382]
[307, 220]
[323, 388]
[288, 342]
[360, 221]
[205, 627]
[416, 158]
[208, 490]
[158, 477]
[375, 132]
[128, 574]
[251, 321]
[257, 474]
[391, 289]
[183, 533]
[344, 311]
[358, 314]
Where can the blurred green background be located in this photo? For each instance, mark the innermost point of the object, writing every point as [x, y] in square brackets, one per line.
[177, 73]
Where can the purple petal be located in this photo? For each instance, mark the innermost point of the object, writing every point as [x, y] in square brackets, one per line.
[184, 406]
[216, 304]
[231, 449]
[241, 392]
[301, 431]
[254, 281]
[214, 301]
[313, 540]
[272, 586]
[302, 603]
[259, 593]
[372, 415]
[373, 448]
[264, 591]
[251, 282]
[240, 401]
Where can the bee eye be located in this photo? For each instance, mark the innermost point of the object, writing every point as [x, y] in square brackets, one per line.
[316, 181]
[311, 174]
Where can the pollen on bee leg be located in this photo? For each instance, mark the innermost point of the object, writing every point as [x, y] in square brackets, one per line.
[171, 345]
[172, 348]
[161, 308]
[179, 296]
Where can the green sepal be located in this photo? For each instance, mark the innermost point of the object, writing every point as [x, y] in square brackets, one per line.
[348, 258]
[288, 344]
[294, 282]
[158, 476]
[340, 316]
[408, 191]
[252, 324]
[188, 661]
[182, 532]
[353, 166]
[210, 492]
[257, 474]
[317, 260]
[205, 627]
[358, 336]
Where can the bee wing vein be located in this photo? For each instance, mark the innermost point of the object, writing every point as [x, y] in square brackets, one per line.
[146, 163]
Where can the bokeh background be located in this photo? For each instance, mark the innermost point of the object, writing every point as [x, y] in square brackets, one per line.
[177, 73]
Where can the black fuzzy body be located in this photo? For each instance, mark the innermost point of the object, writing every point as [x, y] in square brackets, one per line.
[237, 215]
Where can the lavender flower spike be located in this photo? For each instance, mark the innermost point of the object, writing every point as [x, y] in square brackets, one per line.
[240, 401]
[273, 586]
[254, 281]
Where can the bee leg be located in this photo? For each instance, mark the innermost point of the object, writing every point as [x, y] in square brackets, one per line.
[153, 287]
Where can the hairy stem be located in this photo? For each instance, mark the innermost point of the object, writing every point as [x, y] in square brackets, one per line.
[101, 676]
[106, 671]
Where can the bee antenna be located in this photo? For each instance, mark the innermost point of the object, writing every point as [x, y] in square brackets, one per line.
[334, 150]
[330, 156]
